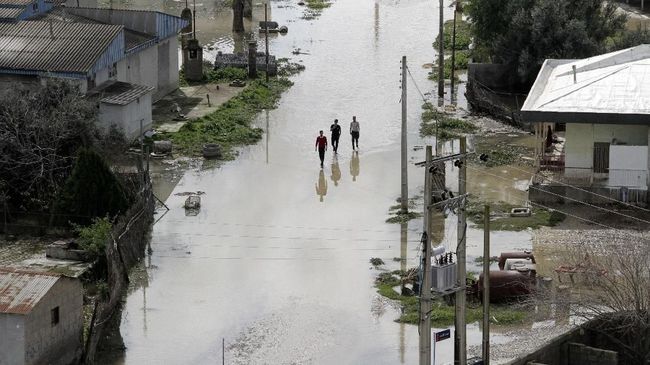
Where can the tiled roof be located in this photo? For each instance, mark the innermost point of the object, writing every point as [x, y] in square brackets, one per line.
[132, 38]
[119, 93]
[20, 290]
[11, 13]
[54, 46]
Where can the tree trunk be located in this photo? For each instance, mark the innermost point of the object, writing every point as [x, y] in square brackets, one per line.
[248, 9]
[238, 16]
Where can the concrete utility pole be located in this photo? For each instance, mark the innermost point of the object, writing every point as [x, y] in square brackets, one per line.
[486, 286]
[425, 289]
[453, 53]
[405, 188]
[266, 36]
[441, 55]
[460, 339]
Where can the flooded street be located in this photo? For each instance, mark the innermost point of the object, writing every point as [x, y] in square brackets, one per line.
[277, 261]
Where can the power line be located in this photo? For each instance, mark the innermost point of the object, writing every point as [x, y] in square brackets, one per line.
[424, 99]
[583, 190]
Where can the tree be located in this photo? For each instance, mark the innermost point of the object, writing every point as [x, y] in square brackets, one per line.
[238, 15]
[523, 33]
[615, 290]
[91, 191]
[40, 132]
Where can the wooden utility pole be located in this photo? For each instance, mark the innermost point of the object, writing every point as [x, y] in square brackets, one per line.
[486, 286]
[266, 36]
[441, 55]
[405, 192]
[460, 339]
[425, 289]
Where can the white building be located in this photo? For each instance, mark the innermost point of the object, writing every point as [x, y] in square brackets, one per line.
[91, 47]
[603, 104]
[41, 318]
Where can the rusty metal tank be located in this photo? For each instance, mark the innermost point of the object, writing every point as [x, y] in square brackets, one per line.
[514, 255]
[508, 285]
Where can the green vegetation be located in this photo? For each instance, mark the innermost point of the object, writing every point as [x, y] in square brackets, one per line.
[441, 314]
[93, 238]
[376, 261]
[523, 33]
[502, 221]
[463, 35]
[92, 190]
[501, 153]
[447, 127]
[400, 217]
[230, 124]
[318, 4]
[210, 75]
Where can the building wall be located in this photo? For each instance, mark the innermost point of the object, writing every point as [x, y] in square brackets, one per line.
[127, 117]
[167, 67]
[62, 343]
[580, 139]
[12, 339]
[136, 68]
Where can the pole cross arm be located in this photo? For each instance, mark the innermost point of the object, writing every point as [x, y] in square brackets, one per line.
[451, 203]
[455, 156]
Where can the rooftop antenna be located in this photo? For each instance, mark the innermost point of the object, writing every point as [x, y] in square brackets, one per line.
[51, 29]
[193, 18]
[575, 78]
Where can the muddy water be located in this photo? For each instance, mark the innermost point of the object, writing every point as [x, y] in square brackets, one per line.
[276, 262]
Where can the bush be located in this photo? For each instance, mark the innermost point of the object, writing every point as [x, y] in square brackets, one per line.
[93, 238]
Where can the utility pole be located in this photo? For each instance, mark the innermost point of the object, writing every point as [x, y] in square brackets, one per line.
[405, 191]
[441, 56]
[425, 289]
[486, 286]
[460, 339]
[266, 36]
[453, 52]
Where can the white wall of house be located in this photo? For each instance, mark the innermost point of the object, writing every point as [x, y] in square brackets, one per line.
[127, 117]
[628, 166]
[579, 150]
[167, 67]
[46, 343]
[139, 68]
[12, 338]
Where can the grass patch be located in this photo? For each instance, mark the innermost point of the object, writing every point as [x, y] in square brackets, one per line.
[400, 217]
[441, 313]
[446, 127]
[229, 125]
[210, 75]
[502, 221]
[317, 4]
[501, 153]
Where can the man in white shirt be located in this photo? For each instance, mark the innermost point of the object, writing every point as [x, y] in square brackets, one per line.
[354, 131]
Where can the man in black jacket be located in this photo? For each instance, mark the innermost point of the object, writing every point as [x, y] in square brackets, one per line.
[336, 133]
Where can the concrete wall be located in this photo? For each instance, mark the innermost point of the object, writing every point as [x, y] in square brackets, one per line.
[538, 194]
[137, 68]
[167, 67]
[12, 339]
[61, 343]
[583, 354]
[580, 139]
[127, 117]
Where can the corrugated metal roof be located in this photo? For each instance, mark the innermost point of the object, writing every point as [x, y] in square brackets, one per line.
[614, 84]
[21, 290]
[54, 46]
[119, 93]
[11, 13]
[16, 2]
[132, 38]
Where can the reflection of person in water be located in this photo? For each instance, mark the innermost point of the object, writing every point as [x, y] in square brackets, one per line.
[354, 165]
[336, 171]
[321, 186]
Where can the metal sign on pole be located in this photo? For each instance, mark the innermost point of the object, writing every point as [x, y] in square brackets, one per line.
[440, 336]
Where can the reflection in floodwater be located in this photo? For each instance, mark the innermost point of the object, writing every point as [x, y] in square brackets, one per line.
[336, 171]
[376, 23]
[321, 186]
[354, 165]
[403, 240]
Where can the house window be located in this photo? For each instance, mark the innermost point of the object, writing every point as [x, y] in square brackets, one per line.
[54, 316]
[601, 157]
[193, 53]
[112, 72]
[35, 7]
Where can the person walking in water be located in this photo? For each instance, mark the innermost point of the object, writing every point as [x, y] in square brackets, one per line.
[354, 131]
[336, 133]
[321, 146]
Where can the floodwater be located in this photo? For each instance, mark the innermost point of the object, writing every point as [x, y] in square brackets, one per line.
[276, 263]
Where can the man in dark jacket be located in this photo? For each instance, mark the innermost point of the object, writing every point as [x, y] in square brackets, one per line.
[336, 133]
